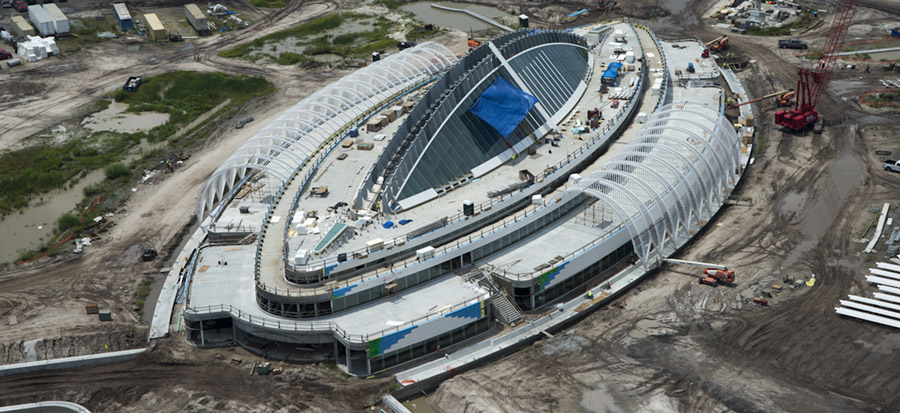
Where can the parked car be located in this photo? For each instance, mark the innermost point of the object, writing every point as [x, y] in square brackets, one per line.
[891, 165]
[4, 54]
[20, 6]
[6, 3]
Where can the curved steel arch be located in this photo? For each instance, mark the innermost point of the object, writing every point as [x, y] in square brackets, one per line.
[693, 168]
[679, 205]
[692, 196]
[717, 151]
[726, 128]
[313, 120]
[714, 181]
[664, 215]
[627, 221]
[723, 167]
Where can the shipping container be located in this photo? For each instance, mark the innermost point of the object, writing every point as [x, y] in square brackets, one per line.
[60, 21]
[155, 28]
[196, 17]
[41, 20]
[123, 16]
[21, 25]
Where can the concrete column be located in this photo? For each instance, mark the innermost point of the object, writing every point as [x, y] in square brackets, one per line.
[202, 338]
[368, 366]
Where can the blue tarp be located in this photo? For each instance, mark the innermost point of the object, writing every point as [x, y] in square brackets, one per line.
[612, 71]
[582, 11]
[388, 224]
[503, 106]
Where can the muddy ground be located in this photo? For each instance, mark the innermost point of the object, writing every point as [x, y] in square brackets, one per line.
[681, 346]
[676, 346]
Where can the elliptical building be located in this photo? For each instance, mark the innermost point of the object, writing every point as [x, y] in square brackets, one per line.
[416, 204]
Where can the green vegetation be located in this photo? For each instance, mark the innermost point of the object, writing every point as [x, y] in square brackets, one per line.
[391, 4]
[290, 58]
[143, 291]
[67, 221]
[270, 4]
[309, 28]
[321, 36]
[27, 173]
[116, 171]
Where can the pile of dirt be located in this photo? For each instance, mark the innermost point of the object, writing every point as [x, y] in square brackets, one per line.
[115, 338]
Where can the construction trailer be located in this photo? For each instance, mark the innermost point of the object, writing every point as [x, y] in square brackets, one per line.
[41, 20]
[123, 16]
[21, 25]
[155, 28]
[196, 17]
[60, 21]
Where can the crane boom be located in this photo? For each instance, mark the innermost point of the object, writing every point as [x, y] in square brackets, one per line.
[770, 95]
[812, 82]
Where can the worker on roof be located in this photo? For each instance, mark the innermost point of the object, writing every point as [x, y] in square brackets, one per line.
[590, 295]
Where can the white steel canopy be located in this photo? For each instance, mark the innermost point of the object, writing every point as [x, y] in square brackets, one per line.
[279, 148]
[676, 171]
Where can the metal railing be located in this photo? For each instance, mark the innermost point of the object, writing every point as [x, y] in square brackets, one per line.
[549, 173]
[320, 326]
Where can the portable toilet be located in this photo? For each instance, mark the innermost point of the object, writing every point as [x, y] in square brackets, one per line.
[523, 20]
[123, 16]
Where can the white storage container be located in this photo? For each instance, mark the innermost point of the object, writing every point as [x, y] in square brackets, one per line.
[60, 22]
[423, 253]
[374, 245]
[537, 200]
[641, 117]
[574, 179]
[301, 257]
[41, 20]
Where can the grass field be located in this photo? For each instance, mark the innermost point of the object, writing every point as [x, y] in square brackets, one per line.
[28, 173]
[328, 35]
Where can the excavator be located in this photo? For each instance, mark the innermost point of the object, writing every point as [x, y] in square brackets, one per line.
[784, 99]
[717, 45]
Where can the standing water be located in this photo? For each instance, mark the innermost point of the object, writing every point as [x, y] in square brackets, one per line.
[461, 21]
[24, 231]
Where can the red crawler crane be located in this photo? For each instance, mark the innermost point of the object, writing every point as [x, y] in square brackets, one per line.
[812, 82]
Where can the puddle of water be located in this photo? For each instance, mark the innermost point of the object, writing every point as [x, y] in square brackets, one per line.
[150, 302]
[114, 119]
[419, 405]
[327, 58]
[24, 231]
[430, 15]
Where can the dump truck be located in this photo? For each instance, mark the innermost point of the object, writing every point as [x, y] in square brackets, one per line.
[792, 44]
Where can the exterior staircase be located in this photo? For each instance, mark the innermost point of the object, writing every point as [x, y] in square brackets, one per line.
[504, 309]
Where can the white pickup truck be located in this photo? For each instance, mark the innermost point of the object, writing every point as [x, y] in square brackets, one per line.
[891, 165]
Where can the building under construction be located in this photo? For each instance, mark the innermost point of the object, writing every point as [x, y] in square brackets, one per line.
[492, 187]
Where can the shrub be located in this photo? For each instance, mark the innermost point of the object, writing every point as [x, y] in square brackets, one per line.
[67, 221]
[116, 170]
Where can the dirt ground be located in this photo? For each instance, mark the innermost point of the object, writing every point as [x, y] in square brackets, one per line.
[680, 346]
[676, 346]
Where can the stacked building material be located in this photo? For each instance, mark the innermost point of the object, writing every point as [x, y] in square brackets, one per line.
[37, 48]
